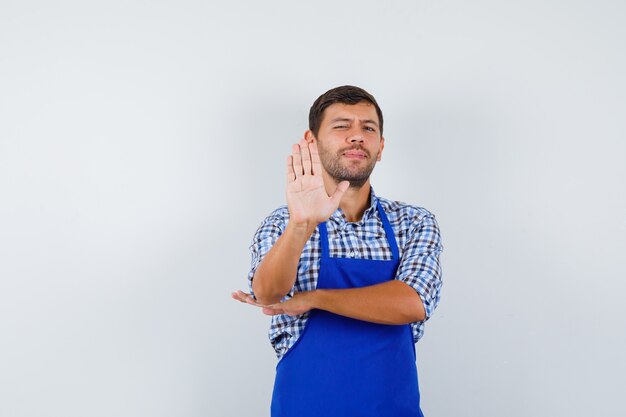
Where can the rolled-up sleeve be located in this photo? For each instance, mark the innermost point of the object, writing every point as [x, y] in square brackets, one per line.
[266, 235]
[419, 264]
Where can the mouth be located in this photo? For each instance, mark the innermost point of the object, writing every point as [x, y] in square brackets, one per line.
[354, 154]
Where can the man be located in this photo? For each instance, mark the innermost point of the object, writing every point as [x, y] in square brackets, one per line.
[349, 277]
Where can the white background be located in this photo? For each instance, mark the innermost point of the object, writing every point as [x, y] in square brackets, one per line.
[142, 143]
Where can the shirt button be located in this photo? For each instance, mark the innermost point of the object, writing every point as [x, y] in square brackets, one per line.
[352, 254]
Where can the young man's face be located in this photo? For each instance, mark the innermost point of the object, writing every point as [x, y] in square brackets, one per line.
[349, 142]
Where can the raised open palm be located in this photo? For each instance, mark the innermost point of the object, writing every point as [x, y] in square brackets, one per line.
[307, 199]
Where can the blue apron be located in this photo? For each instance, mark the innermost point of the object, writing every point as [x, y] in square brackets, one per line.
[341, 367]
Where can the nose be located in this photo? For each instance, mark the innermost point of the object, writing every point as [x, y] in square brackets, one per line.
[355, 136]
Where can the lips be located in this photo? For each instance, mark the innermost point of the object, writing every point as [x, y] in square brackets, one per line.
[355, 154]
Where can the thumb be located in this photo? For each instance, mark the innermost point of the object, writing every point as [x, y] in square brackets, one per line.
[341, 189]
[271, 312]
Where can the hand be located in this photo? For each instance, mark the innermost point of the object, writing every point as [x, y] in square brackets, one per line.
[300, 303]
[307, 200]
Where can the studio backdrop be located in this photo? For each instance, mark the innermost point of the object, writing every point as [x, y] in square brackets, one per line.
[142, 143]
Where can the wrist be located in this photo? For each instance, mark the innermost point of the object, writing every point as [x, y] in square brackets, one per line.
[316, 298]
[303, 230]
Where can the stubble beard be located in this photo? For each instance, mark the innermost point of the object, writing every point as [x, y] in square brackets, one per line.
[340, 172]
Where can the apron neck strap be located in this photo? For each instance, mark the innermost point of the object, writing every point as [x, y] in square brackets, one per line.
[391, 238]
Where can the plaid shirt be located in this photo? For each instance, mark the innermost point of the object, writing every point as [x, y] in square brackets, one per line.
[419, 243]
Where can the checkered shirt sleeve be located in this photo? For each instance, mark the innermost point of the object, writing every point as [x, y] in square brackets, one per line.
[284, 329]
[266, 235]
[419, 263]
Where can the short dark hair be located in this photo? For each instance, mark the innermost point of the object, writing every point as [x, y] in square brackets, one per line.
[346, 94]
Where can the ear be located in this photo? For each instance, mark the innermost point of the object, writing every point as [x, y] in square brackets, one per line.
[309, 137]
[382, 146]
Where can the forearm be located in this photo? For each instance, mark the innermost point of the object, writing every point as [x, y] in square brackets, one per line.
[276, 274]
[392, 302]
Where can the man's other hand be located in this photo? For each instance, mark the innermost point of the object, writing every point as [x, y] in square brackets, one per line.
[300, 303]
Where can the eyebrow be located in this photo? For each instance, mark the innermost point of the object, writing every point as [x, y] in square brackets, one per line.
[345, 119]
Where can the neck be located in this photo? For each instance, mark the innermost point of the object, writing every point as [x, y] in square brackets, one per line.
[354, 202]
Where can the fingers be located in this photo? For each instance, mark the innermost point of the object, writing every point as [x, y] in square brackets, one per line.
[316, 164]
[244, 298]
[272, 311]
[269, 310]
[306, 157]
[291, 175]
[238, 297]
[296, 160]
[302, 161]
